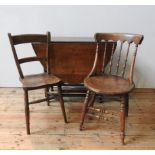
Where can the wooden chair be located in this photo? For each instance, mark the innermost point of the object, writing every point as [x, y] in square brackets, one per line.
[36, 81]
[116, 78]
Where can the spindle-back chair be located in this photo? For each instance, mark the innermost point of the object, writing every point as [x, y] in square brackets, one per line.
[116, 78]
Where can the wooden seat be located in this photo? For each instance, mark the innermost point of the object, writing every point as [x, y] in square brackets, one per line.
[114, 78]
[39, 80]
[108, 85]
[31, 82]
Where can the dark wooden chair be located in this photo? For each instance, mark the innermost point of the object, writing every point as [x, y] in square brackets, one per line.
[36, 81]
[114, 79]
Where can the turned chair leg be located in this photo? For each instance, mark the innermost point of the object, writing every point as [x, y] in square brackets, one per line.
[27, 112]
[126, 105]
[122, 119]
[92, 100]
[84, 110]
[47, 95]
[62, 103]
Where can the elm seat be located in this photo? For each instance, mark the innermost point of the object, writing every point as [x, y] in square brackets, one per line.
[108, 85]
[39, 80]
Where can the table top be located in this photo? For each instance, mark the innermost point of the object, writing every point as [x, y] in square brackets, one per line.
[72, 39]
[72, 58]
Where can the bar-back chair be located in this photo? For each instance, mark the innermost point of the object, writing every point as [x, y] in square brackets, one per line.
[116, 78]
[36, 81]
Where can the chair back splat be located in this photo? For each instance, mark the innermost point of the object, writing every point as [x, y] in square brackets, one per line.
[122, 46]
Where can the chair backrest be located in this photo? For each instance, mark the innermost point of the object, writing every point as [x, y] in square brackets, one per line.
[30, 38]
[125, 44]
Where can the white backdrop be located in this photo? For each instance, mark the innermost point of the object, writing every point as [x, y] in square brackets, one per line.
[76, 21]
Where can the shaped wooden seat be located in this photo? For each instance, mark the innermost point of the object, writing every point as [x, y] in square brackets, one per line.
[108, 85]
[116, 78]
[39, 80]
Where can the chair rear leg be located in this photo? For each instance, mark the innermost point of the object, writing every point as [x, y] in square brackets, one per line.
[122, 119]
[52, 88]
[101, 99]
[84, 110]
[27, 112]
[47, 95]
[62, 103]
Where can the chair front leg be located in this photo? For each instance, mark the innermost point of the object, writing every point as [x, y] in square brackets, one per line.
[84, 110]
[62, 103]
[122, 119]
[126, 104]
[92, 99]
[27, 112]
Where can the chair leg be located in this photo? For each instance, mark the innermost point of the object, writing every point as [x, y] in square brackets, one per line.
[62, 103]
[52, 89]
[122, 119]
[47, 95]
[126, 105]
[101, 99]
[27, 112]
[84, 110]
[92, 100]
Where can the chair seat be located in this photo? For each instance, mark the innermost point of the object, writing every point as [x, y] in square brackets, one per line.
[109, 85]
[39, 80]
